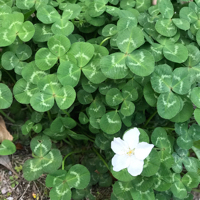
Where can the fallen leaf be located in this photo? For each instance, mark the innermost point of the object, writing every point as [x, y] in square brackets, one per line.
[5, 161]
[4, 134]
[18, 146]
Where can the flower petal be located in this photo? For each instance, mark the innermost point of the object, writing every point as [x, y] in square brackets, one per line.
[136, 166]
[131, 137]
[142, 150]
[119, 146]
[120, 162]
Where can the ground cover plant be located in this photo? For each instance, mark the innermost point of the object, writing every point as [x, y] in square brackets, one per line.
[104, 92]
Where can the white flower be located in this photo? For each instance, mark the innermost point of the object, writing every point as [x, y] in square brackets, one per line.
[130, 153]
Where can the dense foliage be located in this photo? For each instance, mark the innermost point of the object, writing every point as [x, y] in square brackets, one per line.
[78, 73]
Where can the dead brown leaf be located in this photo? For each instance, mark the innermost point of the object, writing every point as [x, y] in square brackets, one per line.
[5, 161]
[4, 134]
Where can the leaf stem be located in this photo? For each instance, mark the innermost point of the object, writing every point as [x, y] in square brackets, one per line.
[63, 162]
[67, 142]
[100, 158]
[104, 40]
[66, 113]
[10, 76]
[49, 115]
[7, 117]
[150, 118]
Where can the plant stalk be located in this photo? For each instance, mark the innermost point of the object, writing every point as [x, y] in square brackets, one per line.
[7, 117]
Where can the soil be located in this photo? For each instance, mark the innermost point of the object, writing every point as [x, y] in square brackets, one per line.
[14, 187]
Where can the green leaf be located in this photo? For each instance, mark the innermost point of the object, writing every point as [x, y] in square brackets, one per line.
[32, 74]
[168, 105]
[6, 37]
[177, 53]
[186, 112]
[142, 5]
[44, 59]
[83, 118]
[78, 177]
[26, 128]
[65, 97]
[127, 108]
[163, 179]
[47, 14]
[129, 40]
[42, 102]
[110, 122]
[102, 142]
[97, 8]
[188, 14]
[143, 183]
[72, 11]
[159, 138]
[141, 62]
[109, 30]
[165, 27]
[96, 109]
[181, 24]
[87, 85]
[40, 145]
[59, 45]
[151, 164]
[195, 96]
[42, 32]
[83, 52]
[197, 115]
[23, 91]
[193, 56]
[84, 97]
[122, 175]
[113, 66]
[179, 190]
[73, 75]
[25, 5]
[6, 97]
[122, 189]
[26, 31]
[9, 60]
[114, 97]
[181, 81]
[149, 95]
[190, 180]
[7, 148]
[191, 164]
[63, 27]
[166, 8]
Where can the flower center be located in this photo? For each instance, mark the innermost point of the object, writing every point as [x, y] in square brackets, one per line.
[131, 152]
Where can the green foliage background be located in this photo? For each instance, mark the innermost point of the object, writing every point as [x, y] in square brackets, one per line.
[77, 73]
